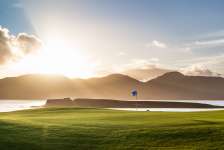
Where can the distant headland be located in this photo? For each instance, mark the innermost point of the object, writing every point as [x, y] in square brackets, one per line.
[110, 103]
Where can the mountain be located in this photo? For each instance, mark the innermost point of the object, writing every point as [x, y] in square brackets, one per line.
[175, 85]
[112, 86]
[145, 74]
[35, 87]
[172, 85]
[43, 87]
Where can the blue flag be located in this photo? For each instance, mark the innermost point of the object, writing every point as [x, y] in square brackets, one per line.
[134, 93]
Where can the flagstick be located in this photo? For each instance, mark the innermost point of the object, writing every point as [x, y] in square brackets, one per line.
[136, 105]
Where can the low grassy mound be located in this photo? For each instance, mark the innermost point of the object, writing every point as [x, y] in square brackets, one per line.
[79, 128]
[110, 103]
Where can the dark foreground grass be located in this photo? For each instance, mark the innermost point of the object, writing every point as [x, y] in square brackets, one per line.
[72, 128]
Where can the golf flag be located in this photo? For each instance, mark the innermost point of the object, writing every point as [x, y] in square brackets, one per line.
[134, 92]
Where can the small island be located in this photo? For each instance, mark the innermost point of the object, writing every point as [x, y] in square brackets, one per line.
[110, 103]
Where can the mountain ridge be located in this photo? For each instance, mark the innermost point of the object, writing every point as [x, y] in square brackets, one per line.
[171, 85]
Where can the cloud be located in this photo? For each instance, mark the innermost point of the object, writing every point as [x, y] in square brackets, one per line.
[154, 59]
[5, 50]
[13, 48]
[198, 70]
[186, 50]
[28, 43]
[142, 63]
[210, 42]
[212, 35]
[157, 44]
[206, 43]
[17, 5]
[138, 64]
[133, 64]
[122, 53]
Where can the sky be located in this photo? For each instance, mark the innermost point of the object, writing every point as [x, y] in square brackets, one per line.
[85, 38]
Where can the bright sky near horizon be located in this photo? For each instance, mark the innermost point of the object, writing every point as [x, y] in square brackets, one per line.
[84, 38]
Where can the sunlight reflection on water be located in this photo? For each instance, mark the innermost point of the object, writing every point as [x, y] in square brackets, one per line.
[169, 109]
[13, 105]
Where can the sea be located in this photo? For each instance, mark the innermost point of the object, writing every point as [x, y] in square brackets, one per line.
[16, 105]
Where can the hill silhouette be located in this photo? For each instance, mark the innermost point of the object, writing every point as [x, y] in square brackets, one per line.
[145, 74]
[172, 85]
[175, 85]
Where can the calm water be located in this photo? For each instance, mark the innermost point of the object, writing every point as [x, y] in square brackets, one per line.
[169, 109]
[14, 105]
[211, 102]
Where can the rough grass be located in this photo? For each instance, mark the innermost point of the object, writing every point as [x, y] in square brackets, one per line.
[73, 128]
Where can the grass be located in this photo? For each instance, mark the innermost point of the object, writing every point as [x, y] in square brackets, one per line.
[74, 128]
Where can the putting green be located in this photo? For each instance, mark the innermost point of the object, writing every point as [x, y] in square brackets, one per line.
[80, 128]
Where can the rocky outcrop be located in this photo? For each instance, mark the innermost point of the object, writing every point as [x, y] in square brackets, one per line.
[59, 102]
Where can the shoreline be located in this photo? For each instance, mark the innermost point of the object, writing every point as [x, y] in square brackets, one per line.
[111, 103]
[156, 105]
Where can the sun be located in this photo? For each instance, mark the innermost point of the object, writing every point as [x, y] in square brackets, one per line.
[59, 56]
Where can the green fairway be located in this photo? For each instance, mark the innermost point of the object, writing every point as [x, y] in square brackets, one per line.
[73, 128]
